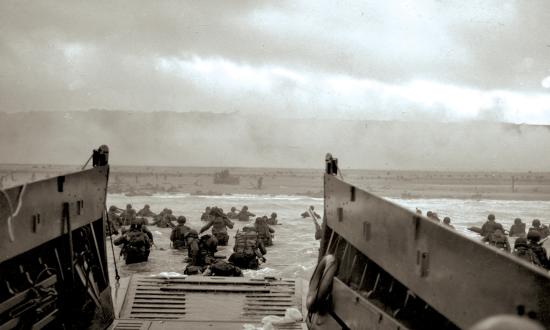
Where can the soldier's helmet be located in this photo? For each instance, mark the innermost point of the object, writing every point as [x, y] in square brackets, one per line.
[447, 220]
[520, 242]
[517, 221]
[207, 209]
[181, 219]
[258, 220]
[491, 217]
[146, 206]
[533, 236]
[192, 233]
[536, 223]
[169, 211]
[245, 207]
[128, 206]
[429, 214]
[113, 208]
[273, 215]
[311, 207]
[233, 209]
[249, 228]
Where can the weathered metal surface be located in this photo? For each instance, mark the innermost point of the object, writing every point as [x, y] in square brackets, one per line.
[462, 279]
[209, 299]
[126, 324]
[36, 213]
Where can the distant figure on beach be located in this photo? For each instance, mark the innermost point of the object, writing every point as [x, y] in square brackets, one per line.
[146, 211]
[219, 223]
[273, 219]
[244, 215]
[541, 229]
[206, 215]
[260, 183]
[311, 210]
[517, 229]
[165, 220]
[233, 214]
[447, 222]
[490, 226]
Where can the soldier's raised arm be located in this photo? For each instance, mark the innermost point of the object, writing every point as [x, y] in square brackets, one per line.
[205, 227]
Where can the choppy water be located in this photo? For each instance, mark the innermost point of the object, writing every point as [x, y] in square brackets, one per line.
[295, 249]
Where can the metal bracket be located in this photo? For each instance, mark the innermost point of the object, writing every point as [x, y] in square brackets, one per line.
[422, 263]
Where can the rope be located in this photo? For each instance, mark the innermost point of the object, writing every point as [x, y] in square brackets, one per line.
[86, 164]
[12, 212]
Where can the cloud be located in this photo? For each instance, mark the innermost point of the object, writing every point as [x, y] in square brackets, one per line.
[434, 60]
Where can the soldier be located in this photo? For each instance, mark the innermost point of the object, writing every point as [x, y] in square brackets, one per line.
[178, 233]
[113, 220]
[206, 215]
[311, 210]
[273, 220]
[244, 215]
[233, 214]
[490, 226]
[248, 249]
[165, 220]
[541, 229]
[447, 222]
[136, 245]
[533, 237]
[523, 251]
[517, 229]
[264, 231]
[146, 212]
[433, 216]
[498, 239]
[219, 223]
[128, 215]
[200, 252]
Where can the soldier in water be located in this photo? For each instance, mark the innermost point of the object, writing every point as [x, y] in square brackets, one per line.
[264, 231]
[219, 223]
[136, 245]
[244, 215]
[273, 219]
[541, 229]
[517, 229]
[178, 233]
[447, 222]
[206, 214]
[233, 214]
[248, 249]
[533, 238]
[129, 215]
[490, 226]
[113, 220]
[146, 212]
[498, 239]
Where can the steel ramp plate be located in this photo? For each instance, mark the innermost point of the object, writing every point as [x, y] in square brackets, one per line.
[199, 299]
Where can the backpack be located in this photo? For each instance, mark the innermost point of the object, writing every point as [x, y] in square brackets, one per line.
[527, 254]
[245, 242]
[138, 243]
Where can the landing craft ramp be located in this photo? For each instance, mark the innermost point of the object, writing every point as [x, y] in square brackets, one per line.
[398, 270]
[198, 302]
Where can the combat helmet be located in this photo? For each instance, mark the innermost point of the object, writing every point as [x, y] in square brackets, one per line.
[536, 223]
[181, 219]
[533, 236]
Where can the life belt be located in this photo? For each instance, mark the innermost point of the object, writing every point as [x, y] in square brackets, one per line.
[320, 284]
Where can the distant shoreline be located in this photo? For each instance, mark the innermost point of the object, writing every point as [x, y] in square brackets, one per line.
[143, 181]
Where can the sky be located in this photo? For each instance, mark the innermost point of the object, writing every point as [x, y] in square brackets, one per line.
[422, 60]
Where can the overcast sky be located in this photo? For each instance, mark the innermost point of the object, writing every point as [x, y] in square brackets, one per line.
[434, 60]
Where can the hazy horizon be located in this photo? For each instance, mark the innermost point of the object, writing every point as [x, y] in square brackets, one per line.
[429, 84]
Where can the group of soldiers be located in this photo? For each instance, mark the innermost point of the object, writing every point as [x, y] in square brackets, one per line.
[433, 216]
[250, 242]
[528, 244]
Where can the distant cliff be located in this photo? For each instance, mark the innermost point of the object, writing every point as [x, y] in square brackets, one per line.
[208, 139]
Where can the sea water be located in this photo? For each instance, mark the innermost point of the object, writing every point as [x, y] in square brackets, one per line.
[294, 253]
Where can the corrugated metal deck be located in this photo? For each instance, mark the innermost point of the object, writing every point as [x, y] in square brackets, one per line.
[198, 302]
